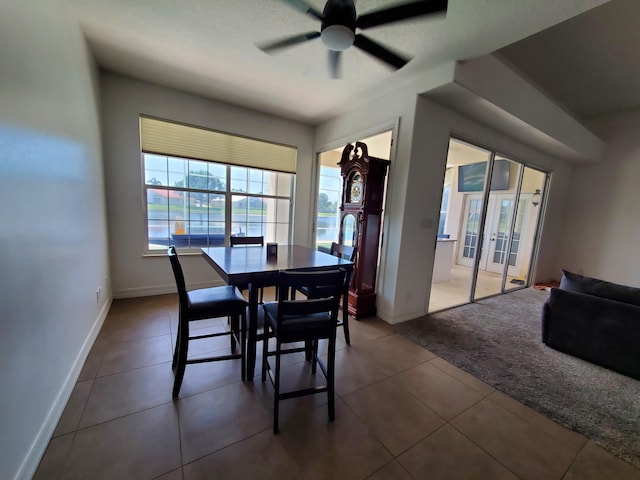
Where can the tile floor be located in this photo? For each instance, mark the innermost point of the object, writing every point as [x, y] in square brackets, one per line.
[401, 413]
[456, 291]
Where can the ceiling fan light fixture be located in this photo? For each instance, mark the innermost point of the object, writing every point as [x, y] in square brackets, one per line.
[337, 37]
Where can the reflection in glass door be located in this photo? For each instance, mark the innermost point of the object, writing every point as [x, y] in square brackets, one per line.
[501, 201]
[527, 224]
[469, 246]
[488, 237]
[499, 214]
[499, 240]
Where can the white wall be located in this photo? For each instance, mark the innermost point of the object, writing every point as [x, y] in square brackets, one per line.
[393, 106]
[123, 100]
[53, 228]
[602, 230]
[434, 124]
[415, 188]
[524, 112]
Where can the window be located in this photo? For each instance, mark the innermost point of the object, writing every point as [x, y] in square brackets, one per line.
[329, 192]
[194, 203]
[202, 186]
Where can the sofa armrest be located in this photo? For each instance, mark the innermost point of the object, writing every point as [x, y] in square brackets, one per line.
[597, 329]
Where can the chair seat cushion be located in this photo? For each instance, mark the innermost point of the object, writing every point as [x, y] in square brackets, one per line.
[215, 302]
[296, 328]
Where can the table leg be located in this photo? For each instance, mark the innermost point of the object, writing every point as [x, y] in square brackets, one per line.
[253, 330]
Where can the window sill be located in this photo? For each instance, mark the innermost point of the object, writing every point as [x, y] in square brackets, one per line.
[163, 254]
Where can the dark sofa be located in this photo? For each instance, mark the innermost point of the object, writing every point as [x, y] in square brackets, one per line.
[594, 320]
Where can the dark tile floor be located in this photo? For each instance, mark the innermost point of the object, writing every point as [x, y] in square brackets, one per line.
[401, 413]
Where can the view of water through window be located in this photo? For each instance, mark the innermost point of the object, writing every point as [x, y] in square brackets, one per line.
[194, 203]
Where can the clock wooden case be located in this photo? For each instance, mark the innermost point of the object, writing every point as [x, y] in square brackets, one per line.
[361, 221]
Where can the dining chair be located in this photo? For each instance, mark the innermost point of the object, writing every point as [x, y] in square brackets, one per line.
[203, 304]
[234, 241]
[309, 321]
[347, 253]
[239, 240]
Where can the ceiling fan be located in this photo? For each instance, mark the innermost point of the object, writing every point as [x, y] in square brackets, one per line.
[339, 24]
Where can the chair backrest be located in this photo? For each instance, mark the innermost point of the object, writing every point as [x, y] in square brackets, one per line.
[246, 240]
[343, 251]
[330, 282]
[179, 276]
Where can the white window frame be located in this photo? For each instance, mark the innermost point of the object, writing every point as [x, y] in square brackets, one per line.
[228, 194]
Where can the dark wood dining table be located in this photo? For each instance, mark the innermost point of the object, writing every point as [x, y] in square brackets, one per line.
[250, 265]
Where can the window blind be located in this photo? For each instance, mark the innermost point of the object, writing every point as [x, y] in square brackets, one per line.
[168, 138]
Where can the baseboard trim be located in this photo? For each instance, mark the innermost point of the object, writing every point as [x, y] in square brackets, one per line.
[159, 289]
[38, 447]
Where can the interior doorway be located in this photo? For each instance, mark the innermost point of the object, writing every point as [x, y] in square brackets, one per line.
[487, 230]
[329, 187]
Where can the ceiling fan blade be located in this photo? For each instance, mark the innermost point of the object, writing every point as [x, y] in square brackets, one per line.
[288, 42]
[334, 63]
[378, 51]
[304, 7]
[401, 12]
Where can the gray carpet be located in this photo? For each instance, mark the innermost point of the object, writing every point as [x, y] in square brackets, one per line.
[498, 341]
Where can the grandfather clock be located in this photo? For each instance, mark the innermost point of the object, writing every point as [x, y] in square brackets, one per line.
[360, 222]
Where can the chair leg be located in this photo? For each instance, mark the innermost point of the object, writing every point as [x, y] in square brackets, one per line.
[276, 392]
[345, 326]
[175, 350]
[243, 347]
[345, 319]
[331, 368]
[265, 350]
[183, 348]
[314, 356]
[308, 350]
[235, 329]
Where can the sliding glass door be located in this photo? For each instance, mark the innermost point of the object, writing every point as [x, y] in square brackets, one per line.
[498, 223]
[525, 230]
[488, 228]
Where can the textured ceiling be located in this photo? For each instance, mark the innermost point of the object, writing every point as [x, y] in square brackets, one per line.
[207, 47]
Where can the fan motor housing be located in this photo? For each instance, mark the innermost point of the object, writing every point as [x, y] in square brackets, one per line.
[340, 12]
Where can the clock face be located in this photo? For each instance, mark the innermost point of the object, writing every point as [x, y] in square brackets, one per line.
[355, 193]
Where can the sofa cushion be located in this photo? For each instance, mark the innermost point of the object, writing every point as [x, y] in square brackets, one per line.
[596, 329]
[599, 288]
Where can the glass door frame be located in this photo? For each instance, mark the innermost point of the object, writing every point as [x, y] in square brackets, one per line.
[512, 226]
[536, 235]
[486, 192]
